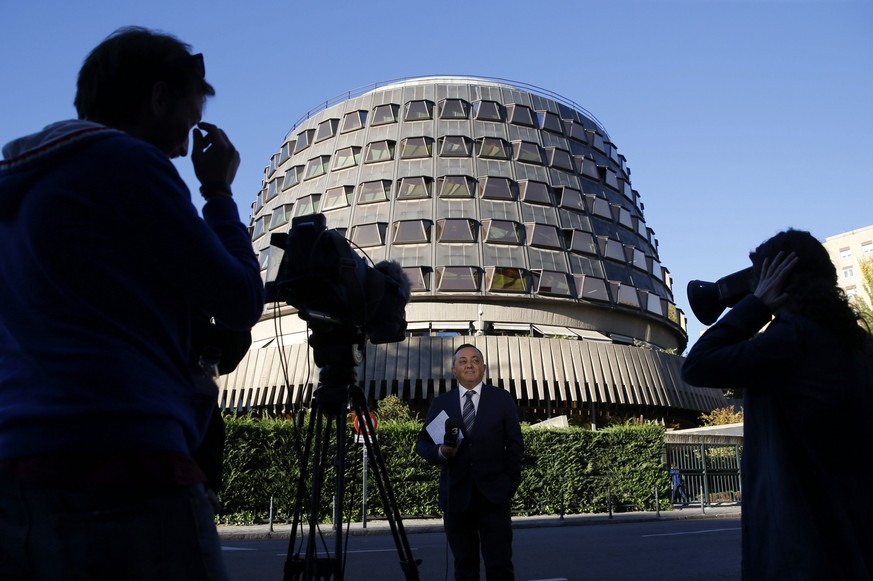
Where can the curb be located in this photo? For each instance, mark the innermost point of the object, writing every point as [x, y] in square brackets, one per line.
[434, 525]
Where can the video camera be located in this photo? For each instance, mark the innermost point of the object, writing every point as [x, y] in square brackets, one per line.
[709, 299]
[330, 284]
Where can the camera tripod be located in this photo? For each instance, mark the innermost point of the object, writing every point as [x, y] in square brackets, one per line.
[337, 390]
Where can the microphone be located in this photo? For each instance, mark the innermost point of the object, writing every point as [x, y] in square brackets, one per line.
[453, 426]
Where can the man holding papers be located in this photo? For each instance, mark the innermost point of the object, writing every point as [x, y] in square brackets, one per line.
[480, 471]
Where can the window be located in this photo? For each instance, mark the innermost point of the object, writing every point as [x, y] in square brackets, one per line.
[577, 132]
[502, 232]
[549, 282]
[383, 114]
[612, 249]
[365, 235]
[848, 272]
[582, 242]
[591, 288]
[411, 232]
[487, 111]
[418, 111]
[338, 197]
[285, 152]
[454, 146]
[260, 226]
[353, 120]
[492, 148]
[414, 188]
[505, 280]
[845, 253]
[454, 109]
[549, 121]
[375, 191]
[304, 140]
[455, 187]
[520, 115]
[379, 151]
[559, 158]
[418, 279]
[627, 296]
[571, 199]
[543, 236]
[272, 190]
[535, 192]
[527, 152]
[416, 147]
[457, 278]
[347, 157]
[293, 177]
[587, 168]
[598, 206]
[866, 249]
[317, 166]
[494, 188]
[326, 129]
[307, 205]
[281, 215]
[456, 230]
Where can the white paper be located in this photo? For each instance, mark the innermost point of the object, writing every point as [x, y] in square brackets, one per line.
[437, 428]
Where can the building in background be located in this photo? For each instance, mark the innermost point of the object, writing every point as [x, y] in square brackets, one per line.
[512, 213]
[848, 251]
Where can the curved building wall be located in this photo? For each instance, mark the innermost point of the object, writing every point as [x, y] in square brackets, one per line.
[511, 212]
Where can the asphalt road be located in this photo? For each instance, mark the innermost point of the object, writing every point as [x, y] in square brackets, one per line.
[673, 550]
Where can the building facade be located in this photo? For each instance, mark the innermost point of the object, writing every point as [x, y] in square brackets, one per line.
[512, 213]
[848, 251]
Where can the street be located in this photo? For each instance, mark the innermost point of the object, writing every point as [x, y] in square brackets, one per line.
[661, 550]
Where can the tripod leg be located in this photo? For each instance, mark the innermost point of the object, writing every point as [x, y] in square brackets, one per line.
[293, 564]
[407, 562]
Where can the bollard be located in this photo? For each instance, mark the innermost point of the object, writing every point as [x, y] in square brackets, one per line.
[702, 507]
[271, 514]
[609, 500]
[562, 505]
[657, 504]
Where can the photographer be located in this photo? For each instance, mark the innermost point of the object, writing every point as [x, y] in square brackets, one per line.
[106, 265]
[808, 388]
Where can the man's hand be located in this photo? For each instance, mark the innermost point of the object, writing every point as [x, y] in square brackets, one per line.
[214, 157]
[771, 284]
[448, 452]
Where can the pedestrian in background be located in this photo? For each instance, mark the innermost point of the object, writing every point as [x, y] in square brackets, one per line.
[678, 483]
[808, 391]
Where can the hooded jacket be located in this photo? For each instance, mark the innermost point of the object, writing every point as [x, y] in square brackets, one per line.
[105, 262]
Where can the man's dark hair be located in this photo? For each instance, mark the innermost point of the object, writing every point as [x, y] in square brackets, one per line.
[464, 346]
[117, 77]
[812, 285]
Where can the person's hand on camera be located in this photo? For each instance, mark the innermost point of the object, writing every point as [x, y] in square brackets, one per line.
[215, 160]
[771, 284]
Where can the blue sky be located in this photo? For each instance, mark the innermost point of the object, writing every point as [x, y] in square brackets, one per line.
[737, 118]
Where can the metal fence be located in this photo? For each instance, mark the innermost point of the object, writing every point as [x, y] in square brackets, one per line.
[711, 471]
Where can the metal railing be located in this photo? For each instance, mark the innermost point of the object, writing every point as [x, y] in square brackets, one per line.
[711, 471]
[533, 89]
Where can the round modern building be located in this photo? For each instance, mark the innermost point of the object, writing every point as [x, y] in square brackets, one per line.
[512, 214]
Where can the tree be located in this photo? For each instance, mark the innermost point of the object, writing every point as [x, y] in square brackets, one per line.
[862, 306]
[722, 416]
[393, 409]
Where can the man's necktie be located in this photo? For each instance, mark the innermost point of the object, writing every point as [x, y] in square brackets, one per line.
[469, 411]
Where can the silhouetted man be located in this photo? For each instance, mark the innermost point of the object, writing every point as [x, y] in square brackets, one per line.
[106, 265]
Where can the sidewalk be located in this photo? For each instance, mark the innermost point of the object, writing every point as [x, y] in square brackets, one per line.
[432, 525]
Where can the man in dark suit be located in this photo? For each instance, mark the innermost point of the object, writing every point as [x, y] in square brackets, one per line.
[481, 472]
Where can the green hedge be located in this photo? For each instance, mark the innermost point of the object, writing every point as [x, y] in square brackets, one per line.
[571, 469]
